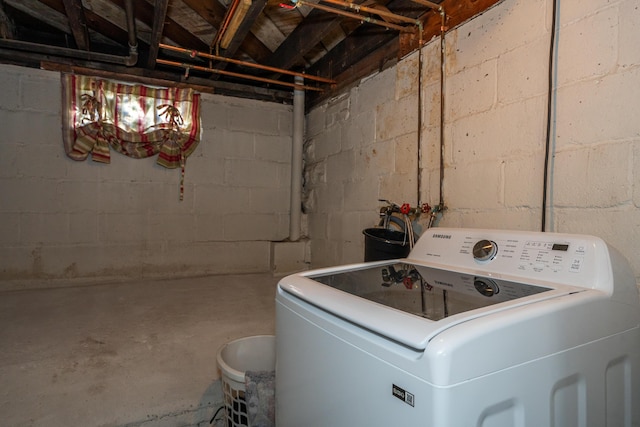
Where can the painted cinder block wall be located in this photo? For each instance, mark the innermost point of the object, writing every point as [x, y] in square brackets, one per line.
[362, 146]
[63, 219]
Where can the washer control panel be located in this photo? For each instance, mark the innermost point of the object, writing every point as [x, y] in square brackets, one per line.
[565, 258]
[528, 254]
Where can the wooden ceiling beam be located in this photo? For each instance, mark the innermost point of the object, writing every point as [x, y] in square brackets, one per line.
[307, 35]
[457, 12]
[352, 50]
[6, 26]
[111, 31]
[241, 34]
[159, 17]
[96, 23]
[256, 8]
[363, 41]
[78, 23]
[51, 23]
[367, 48]
[145, 12]
[56, 5]
[213, 12]
[29, 28]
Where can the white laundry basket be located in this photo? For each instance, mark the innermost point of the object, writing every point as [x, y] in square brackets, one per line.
[256, 353]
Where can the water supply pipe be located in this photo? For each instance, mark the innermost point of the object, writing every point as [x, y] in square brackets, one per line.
[194, 53]
[296, 161]
[357, 16]
[419, 183]
[380, 12]
[443, 73]
[129, 60]
[188, 67]
[443, 18]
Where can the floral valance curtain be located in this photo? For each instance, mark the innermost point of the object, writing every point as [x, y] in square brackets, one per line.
[137, 121]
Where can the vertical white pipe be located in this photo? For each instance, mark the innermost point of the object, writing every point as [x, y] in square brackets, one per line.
[296, 162]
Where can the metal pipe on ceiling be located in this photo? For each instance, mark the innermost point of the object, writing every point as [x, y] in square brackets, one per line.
[193, 53]
[131, 26]
[380, 12]
[429, 4]
[129, 60]
[157, 78]
[188, 67]
[353, 15]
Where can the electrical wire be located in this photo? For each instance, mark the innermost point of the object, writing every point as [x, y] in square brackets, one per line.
[216, 414]
[547, 149]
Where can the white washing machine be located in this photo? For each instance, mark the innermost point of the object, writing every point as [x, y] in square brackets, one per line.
[475, 328]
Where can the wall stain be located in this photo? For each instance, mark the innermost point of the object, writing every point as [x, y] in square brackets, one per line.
[71, 271]
[36, 255]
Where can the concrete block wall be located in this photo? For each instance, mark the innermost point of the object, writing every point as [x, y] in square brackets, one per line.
[65, 219]
[362, 146]
[359, 148]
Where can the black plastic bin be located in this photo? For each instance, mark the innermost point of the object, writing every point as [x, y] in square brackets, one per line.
[382, 244]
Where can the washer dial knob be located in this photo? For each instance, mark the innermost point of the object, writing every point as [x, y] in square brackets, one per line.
[485, 250]
[486, 287]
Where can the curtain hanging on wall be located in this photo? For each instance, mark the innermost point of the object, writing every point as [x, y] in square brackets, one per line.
[137, 121]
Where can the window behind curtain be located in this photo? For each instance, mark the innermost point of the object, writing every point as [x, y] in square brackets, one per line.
[137, 121]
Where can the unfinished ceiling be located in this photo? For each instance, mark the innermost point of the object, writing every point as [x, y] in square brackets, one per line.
[244, 48]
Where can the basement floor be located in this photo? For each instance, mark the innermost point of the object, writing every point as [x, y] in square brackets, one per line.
[129, 354]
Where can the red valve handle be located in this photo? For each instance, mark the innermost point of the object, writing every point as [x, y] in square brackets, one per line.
[405, 208]
[408, 282]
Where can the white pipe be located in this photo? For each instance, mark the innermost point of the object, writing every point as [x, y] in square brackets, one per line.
[296, 162]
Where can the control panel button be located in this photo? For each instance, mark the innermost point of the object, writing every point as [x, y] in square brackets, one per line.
[576, 264]
[485, 250]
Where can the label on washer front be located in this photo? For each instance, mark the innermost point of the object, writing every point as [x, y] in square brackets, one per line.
[403, 395]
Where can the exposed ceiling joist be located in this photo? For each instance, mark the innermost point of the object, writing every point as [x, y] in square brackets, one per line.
[157, 29]
[6, 26]
[93, 35]
[305, 37]
[78, 23]
[241, 32]
[213, 12]
[148, 14]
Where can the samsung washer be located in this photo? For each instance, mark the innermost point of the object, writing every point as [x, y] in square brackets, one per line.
[475, 328]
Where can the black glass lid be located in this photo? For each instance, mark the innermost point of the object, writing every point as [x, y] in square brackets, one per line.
[424, 291]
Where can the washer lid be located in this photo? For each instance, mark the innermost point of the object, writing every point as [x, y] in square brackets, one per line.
[411, 304]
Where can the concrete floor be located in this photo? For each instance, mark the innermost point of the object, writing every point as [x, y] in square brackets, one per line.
[124, 354]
